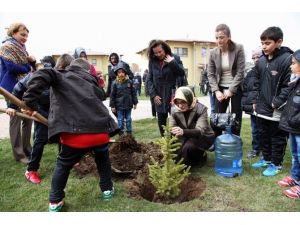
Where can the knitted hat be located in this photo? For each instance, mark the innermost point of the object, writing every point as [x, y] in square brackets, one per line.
[296, 55]
[257, 52]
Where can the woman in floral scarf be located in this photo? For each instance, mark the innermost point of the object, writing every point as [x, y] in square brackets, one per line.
[15, 64]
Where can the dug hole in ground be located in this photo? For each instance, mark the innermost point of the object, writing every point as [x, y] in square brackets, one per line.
[130, 160]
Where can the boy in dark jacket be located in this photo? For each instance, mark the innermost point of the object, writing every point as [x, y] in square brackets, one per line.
[123, 98]
[290, 122]
[247, 104]
[40, 130]
[78, 119]
[272, 74]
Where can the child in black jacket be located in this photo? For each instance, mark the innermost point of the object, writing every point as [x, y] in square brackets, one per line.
[123, 98]
[290, 122]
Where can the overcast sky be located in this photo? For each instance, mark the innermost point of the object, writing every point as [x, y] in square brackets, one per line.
[128, 30]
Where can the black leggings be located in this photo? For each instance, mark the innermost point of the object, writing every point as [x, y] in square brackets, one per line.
[162, 120]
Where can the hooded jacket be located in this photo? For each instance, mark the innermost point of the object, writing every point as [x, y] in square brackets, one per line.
[75, 102]
[272, 77]
[290, 117]
[112, 75]
[123, 95]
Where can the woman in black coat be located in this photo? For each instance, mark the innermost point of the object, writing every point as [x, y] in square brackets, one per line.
[164, 69]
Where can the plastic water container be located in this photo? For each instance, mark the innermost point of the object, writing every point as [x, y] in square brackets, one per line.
[228, 154]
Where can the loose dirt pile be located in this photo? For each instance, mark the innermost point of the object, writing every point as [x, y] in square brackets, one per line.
[130, 160]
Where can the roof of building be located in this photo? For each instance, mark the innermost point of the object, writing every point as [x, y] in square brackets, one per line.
[88, 52]
[181, 40]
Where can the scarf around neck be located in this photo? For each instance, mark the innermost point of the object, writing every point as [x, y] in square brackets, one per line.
[13, 51]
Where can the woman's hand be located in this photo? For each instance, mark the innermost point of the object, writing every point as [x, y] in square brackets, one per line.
[177, 131]
[157, 100]
[10, 111]
[134, 106]
[113, 110]
[227, 94]
[31, 58]
[168, 59]
[219, 95]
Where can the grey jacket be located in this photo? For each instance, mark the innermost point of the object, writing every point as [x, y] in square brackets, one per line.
[236, 64]
[196, 127]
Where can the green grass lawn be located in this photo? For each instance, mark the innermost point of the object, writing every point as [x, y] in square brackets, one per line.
[249, 192]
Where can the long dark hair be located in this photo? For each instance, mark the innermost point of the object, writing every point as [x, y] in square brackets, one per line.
[153, 44]
[226, 30]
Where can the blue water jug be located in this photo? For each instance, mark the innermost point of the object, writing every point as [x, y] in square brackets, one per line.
[228, 154]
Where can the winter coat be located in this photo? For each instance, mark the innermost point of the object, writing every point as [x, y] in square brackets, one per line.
[290, 117]
[43, 102]
[196, 128]
[9, 73]
[249, 87]
[236, 65]
[75, 102]
[112, 76]
[272, 77]
[162, 81]
[123, 95]
[204, 85]
[137, 82]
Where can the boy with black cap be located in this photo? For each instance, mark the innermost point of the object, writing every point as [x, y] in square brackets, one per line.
[290, 122]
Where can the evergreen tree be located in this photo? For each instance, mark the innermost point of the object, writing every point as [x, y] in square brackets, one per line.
[168, 176]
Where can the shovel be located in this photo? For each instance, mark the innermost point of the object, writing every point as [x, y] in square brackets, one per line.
[114, 169]
[21, 115]
[22, 105]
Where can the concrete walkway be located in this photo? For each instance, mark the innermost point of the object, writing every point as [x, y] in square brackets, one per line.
[143, 111]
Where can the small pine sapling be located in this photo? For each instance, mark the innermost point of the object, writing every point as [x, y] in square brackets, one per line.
[168, 175]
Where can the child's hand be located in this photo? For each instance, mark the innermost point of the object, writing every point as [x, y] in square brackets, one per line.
[134, 106]
[113, 110]
[29, 112]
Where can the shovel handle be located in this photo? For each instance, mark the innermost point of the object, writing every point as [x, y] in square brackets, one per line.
[22, 105]
[21, 115]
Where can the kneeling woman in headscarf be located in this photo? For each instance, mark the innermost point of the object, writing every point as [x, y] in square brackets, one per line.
[189, 123]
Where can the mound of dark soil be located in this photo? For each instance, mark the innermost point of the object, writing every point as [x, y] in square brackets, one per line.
[130, 158]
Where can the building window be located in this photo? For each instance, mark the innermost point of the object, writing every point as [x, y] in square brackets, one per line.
[94, 62]
[182, 52]
[203, 52]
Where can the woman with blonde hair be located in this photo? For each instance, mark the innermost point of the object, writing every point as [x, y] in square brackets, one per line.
[15, 64]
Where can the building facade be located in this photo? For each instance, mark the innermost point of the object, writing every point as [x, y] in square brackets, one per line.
[99, 60]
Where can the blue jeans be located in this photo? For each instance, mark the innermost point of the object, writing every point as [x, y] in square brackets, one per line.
[295, 150]
[255, 135]
[124, 117]
[212, 99]
[138, 92]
